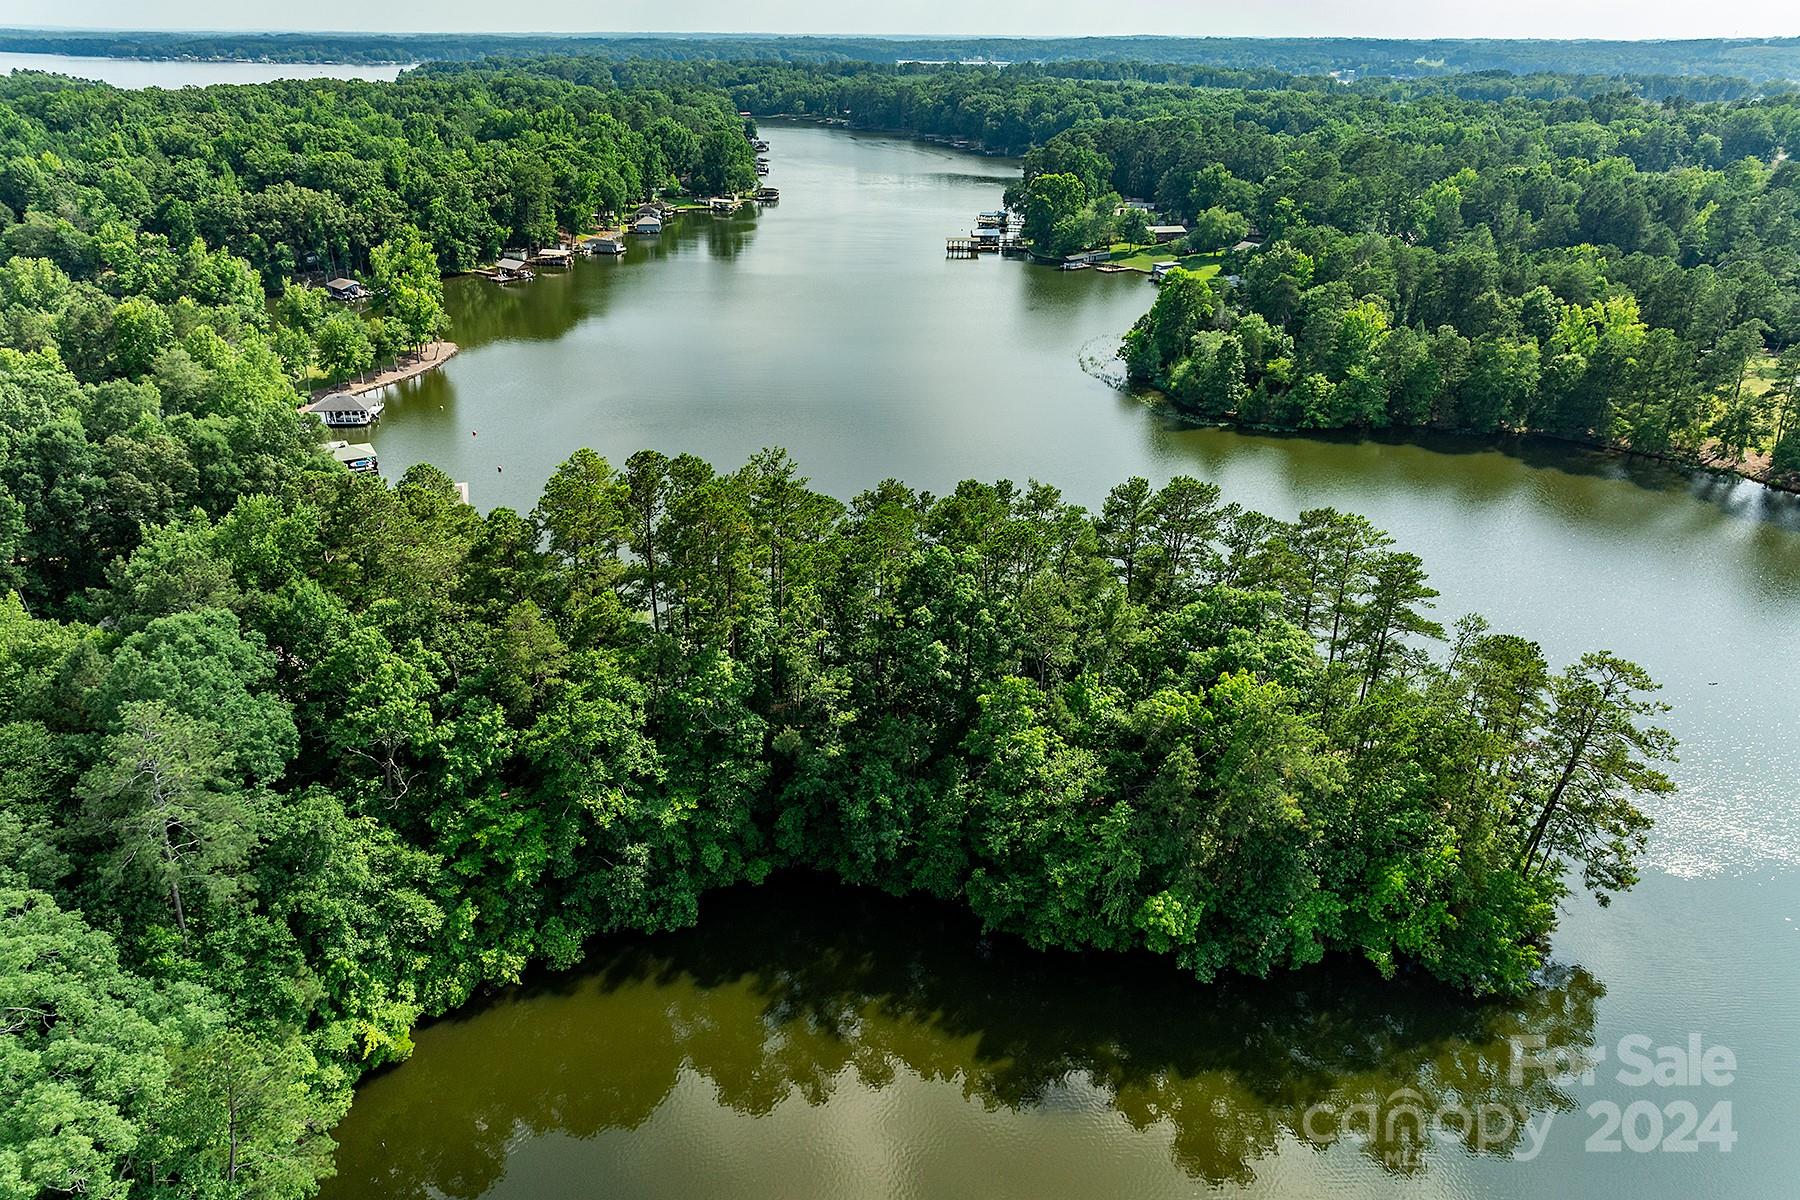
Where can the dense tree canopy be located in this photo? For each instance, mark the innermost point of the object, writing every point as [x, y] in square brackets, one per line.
[311, 176]
[1703, 61]
[289, 758]
[343, 758]
[1469, 254]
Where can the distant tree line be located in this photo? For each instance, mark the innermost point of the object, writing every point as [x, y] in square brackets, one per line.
[1748, 58]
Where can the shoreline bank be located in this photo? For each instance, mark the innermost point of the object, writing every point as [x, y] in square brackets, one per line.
[433, 356]
[1747, 471]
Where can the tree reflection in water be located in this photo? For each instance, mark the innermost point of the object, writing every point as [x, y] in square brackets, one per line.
[801, 988]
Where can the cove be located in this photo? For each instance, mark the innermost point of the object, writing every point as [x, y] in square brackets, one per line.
[811, 1040]
[831, 325]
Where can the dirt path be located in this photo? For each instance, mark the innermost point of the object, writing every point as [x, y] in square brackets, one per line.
[435, 355]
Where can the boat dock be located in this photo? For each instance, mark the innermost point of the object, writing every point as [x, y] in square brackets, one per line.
[996, 232]
[358, 457]
[977, 245]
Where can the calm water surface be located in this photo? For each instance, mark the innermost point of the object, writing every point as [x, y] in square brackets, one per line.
[132, 73]
[808, 1042]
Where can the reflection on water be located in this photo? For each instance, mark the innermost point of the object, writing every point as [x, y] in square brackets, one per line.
[556, 301]
[806, 996]
[756, 1058]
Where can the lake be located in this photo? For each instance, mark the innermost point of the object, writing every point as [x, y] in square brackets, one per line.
[811, 1041]
[145, 73]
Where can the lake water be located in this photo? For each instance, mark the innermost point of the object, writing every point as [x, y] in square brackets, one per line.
[134, 73]
[806, 1041]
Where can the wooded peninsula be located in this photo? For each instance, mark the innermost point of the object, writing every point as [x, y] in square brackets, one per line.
[291, 759]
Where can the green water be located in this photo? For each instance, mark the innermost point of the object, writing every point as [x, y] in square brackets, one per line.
[809, 1042]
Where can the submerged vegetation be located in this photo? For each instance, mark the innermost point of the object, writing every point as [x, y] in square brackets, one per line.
[289, 758]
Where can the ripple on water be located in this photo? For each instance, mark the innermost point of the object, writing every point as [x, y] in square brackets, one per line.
[1710, 827]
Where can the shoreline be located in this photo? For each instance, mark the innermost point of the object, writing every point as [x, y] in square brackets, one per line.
[433, 356]
[1786, 485]
[944, 141]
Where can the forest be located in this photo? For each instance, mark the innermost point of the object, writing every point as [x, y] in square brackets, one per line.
[309, 176]
[291, 759]
[1607, 268]
[1758, 58]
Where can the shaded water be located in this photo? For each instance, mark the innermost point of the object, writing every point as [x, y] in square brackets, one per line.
[941, 1063]
[831, 325]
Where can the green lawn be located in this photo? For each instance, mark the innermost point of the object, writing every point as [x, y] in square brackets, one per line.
[1762, 376]
[1142, 258]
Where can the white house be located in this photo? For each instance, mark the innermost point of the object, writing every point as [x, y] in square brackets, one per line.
[341, 410]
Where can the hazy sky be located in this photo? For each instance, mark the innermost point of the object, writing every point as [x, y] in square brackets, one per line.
[1383, 18]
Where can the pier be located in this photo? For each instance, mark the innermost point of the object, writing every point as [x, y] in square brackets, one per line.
[995, 232]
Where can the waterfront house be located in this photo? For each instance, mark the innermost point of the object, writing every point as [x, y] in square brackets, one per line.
[359, 457]
[1167, 233]
[647, 225]
[341, 410]
[346, 290]
[1160, 271]
[605, 245]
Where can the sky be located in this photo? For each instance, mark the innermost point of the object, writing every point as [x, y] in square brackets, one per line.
[1286, 18]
